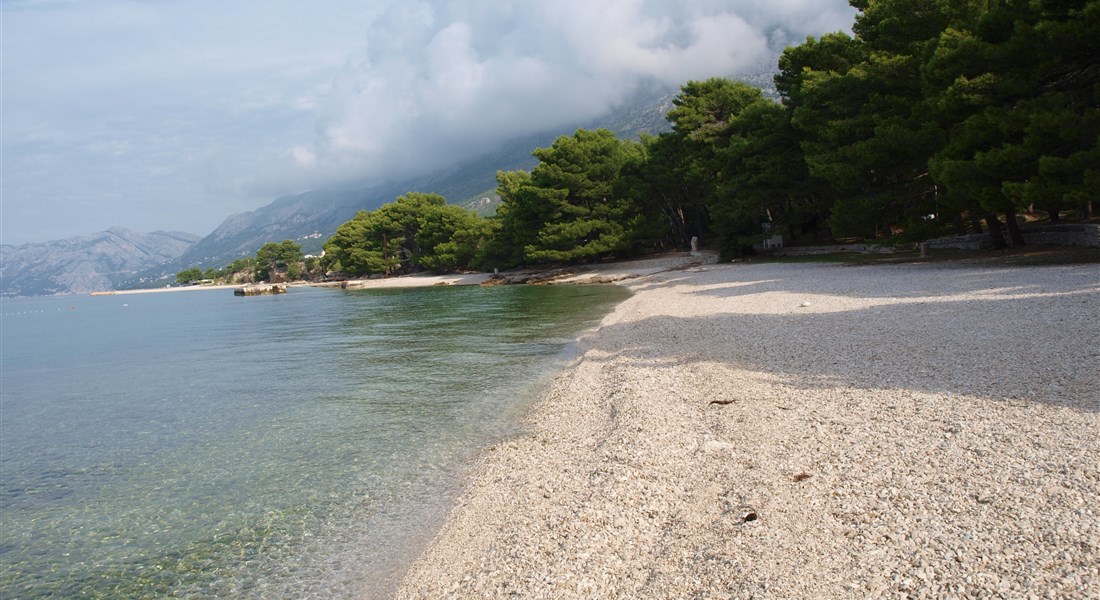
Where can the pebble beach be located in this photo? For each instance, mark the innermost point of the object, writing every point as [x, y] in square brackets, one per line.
[802, 431]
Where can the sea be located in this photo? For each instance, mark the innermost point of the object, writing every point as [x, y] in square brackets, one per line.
[202, 445]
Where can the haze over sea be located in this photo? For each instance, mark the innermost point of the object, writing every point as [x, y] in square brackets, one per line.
[306, 445]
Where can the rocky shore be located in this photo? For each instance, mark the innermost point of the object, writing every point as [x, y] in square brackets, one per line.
[803, 431]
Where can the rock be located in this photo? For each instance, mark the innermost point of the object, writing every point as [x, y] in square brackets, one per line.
[260, 290]
[713, 445]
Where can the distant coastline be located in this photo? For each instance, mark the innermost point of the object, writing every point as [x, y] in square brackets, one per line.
[598, 273]
[190, 288]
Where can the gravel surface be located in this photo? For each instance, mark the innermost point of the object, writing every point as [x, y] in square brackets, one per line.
[803, 431]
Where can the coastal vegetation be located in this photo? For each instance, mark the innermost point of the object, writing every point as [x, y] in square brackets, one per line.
[416, 232]
[931, 118]
[282, 261]
[189, 275]
[272, 258]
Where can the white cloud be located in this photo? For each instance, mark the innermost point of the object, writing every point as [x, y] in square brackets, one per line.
[303, 157]
[173, 114]
[447, 79]
[156, 115]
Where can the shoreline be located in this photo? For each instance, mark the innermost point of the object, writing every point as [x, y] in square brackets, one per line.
[596, 273]
[188, 288]
[801, 430]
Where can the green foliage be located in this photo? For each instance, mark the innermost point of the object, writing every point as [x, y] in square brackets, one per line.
[515, 224]
[312, 268]
[572, 206]
[1019, 87]
[764, 180]
[241, 270]
[859, 110]
[416, 232]
[345, 250]
[189, 275]
[732, 164]
[450, 238]
[704, 110]
[832, 54]
[948, 108]
[674, 180]
[274, 258]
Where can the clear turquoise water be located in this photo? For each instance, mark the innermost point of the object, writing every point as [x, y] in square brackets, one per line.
[198, 444]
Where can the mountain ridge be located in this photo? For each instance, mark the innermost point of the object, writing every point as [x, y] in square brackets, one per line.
[87, 263]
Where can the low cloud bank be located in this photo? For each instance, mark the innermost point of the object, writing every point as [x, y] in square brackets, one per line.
[438, 81]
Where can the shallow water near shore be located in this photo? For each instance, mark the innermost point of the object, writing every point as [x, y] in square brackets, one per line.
[306, 445]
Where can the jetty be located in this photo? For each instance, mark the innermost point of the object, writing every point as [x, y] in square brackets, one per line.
[260, 290]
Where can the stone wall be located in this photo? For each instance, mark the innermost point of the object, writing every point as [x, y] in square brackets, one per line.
[974, 241]
[815, 250]
[1068, 234]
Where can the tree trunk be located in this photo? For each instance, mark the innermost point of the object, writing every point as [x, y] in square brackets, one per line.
[959, 224]
[995, 234]
[681, 226]
[1054, 215]
[1014, 229]
[829, 238]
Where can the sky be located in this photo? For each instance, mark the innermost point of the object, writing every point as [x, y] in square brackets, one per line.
[174, 114]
